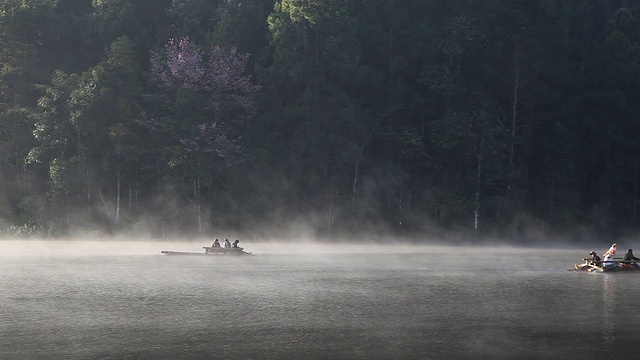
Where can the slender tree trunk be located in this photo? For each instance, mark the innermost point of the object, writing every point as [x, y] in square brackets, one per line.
[400, 210]
[476, 212]
[86, 174]
[66, 210]
[3, 183]
[196, 196]
[552, 190]
[635, 199]
[117, 218]
[332, 210]
[354, 188]
[514, 116]
[104, 203]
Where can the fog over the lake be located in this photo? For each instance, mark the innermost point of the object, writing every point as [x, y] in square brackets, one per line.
[121, 298]
[121, 246]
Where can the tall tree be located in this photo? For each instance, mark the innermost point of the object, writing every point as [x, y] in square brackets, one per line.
[212, 101]
[80, 126]
[326, 86]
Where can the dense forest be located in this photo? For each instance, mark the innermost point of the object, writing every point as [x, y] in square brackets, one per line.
[483, 117]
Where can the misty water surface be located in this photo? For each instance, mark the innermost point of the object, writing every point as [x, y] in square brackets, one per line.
[118, 300]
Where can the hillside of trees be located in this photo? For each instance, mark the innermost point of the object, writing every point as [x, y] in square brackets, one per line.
[482, 117]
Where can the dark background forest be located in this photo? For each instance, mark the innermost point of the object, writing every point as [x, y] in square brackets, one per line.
[509, 118]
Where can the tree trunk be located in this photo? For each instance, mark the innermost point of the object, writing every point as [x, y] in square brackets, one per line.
[117, 218]
[514, 117]
[552, 189]
[400, 210]
[104, 203]
[66, 210]
[332, 210]
[354, 188]
[3, 182]
[476, 212]
[196, 197]
[362, 146]
[634, 215]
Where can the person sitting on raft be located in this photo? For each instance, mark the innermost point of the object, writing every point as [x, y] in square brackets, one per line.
[227, 244]
[630, 260]
[595, 259]
[216, 243]
[608, 261]
[235, 244]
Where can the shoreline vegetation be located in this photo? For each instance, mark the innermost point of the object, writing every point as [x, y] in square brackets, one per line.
[462, 121]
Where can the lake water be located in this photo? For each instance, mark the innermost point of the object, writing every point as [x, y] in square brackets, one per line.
[118, 300]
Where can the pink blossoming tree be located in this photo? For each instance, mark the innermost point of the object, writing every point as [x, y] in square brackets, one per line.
[212, 101]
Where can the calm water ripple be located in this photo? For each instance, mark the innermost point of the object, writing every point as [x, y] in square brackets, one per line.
[441, 304]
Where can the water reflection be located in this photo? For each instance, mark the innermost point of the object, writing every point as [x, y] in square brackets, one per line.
[608, 308]
[374, 305]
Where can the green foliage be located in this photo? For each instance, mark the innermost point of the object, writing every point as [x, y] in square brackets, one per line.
[398, 113]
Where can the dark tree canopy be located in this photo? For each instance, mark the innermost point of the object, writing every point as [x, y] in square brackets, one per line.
[494, 118]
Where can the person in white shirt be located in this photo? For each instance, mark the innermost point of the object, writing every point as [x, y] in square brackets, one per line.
[607, 260]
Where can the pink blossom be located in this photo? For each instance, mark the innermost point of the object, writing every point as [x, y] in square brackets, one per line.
[230, 94]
